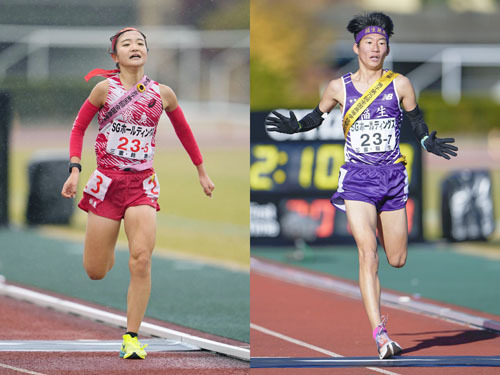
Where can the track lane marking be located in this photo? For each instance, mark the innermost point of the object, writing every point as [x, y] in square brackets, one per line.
[22, 370]
[294, 341]
[310, 346]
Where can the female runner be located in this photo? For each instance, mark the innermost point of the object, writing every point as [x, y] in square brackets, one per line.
[124, 185]
[373, 183]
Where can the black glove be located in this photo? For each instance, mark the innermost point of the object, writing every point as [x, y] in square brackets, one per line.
[282, 124]
[440, 146]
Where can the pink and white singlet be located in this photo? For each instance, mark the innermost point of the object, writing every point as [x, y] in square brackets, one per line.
[128, 141]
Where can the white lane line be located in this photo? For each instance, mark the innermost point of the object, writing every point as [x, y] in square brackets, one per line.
[310, 346]
[293, 341]
[21, 370]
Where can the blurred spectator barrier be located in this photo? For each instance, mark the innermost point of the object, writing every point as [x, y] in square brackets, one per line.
[47, 173]
[199, 65]
[467, 206]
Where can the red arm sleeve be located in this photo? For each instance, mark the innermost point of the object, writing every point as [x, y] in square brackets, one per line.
[185, 135]
[82, 121]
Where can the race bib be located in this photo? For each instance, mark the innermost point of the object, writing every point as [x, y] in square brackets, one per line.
[97, 185]
[151, 186]
[130, 141]
[373, 135]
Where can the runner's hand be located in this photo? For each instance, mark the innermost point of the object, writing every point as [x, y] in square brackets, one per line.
[282, 124]
[69, 188]
[440, 146]
[207, 185]
[205, 181]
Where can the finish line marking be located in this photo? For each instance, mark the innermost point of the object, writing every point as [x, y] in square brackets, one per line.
[328, 284]
[154, 345]
[426, 361]
[256, 362]
[116, 320]
[21, 370]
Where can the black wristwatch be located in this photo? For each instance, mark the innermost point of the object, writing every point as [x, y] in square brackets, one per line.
[73, 165]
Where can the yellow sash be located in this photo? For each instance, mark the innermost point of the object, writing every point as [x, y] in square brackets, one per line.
[368, 97]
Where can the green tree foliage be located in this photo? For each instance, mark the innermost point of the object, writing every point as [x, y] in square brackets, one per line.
[474, 114]
[286, 44]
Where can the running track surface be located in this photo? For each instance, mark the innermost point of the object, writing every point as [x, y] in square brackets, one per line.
[24, 321]
[324, 324]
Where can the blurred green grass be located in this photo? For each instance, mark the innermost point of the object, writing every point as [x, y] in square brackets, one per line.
[189, 222]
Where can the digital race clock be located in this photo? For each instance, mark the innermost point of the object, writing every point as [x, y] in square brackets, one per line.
[292, 178]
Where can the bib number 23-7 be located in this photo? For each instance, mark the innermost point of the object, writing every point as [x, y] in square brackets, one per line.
[373, 135]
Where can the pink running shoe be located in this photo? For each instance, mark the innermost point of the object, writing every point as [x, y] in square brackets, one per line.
[385, 346]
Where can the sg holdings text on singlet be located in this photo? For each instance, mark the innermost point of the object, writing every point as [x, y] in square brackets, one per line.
[376, 135]
[130, 141]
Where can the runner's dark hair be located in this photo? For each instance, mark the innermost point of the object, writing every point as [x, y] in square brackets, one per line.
[362, 21]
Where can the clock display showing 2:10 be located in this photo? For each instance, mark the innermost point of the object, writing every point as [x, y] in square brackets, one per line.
[295, 166]
[300, 166]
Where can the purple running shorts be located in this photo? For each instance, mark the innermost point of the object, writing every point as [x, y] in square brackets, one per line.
[384, 186]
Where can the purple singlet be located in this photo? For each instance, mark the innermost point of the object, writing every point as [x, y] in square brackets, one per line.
[372, 172]
[374, 138]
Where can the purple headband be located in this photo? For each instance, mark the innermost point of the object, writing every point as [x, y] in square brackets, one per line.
[371, 30]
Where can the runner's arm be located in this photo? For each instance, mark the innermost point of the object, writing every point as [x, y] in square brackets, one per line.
[312, 120]
[185, 135]
[333, 94]
[431, 143]
[87, 112]
[181, 126]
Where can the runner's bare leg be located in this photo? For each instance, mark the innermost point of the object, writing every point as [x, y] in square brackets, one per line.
[362, 218]
[140, 227]
[393, 235]
[99, 248]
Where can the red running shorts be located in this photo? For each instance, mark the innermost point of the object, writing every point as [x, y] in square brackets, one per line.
[109, 193]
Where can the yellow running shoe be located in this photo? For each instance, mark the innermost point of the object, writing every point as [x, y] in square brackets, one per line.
[132, 349]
